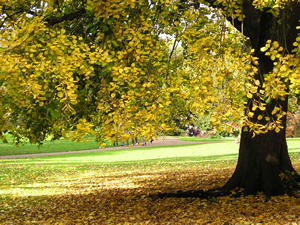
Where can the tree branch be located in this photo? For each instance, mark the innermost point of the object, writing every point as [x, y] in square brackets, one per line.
[51, 20]
[18, 10]
[173, 49]
[71, 16]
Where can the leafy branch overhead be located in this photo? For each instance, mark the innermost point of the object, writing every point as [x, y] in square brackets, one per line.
[105, 67]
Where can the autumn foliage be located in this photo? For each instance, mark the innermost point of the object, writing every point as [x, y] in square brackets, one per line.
[69, 68]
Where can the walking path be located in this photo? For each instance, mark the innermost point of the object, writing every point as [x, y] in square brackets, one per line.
[161, 141]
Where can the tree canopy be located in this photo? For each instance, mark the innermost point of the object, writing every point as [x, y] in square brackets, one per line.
[73, 67]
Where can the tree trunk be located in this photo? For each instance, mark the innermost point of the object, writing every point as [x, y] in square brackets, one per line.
[263, 163]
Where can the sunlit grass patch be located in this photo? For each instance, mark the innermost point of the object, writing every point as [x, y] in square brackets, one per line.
[207, 139]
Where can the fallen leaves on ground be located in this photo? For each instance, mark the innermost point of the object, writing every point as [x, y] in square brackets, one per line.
[120, 195]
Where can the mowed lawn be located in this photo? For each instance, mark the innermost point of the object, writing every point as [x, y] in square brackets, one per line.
[48, 146]
[114, 187]
[90, 143]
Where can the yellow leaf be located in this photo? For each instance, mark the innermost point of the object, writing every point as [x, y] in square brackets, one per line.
[275, 110]
[263, 49]
[60, 94]
[250, 114]
[275, 44]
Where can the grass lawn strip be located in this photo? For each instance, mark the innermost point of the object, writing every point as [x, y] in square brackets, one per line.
[56, 147]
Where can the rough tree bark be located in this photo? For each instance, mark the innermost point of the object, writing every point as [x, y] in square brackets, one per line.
[263, 163]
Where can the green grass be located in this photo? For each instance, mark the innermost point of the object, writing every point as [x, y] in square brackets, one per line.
[220, 139]
[28, 181]
[197, 152]
[187, 154]
[47, 146]
[16, 172]
[90, 143]
[21, 169]
[293, 139]
[206, 139]
[138, 154]
[114, 184]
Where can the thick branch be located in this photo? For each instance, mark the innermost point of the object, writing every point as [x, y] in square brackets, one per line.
[51, 20]
[71, 16]
[18, 10]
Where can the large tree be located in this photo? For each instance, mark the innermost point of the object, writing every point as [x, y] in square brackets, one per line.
[71, 67]
[264, 163]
